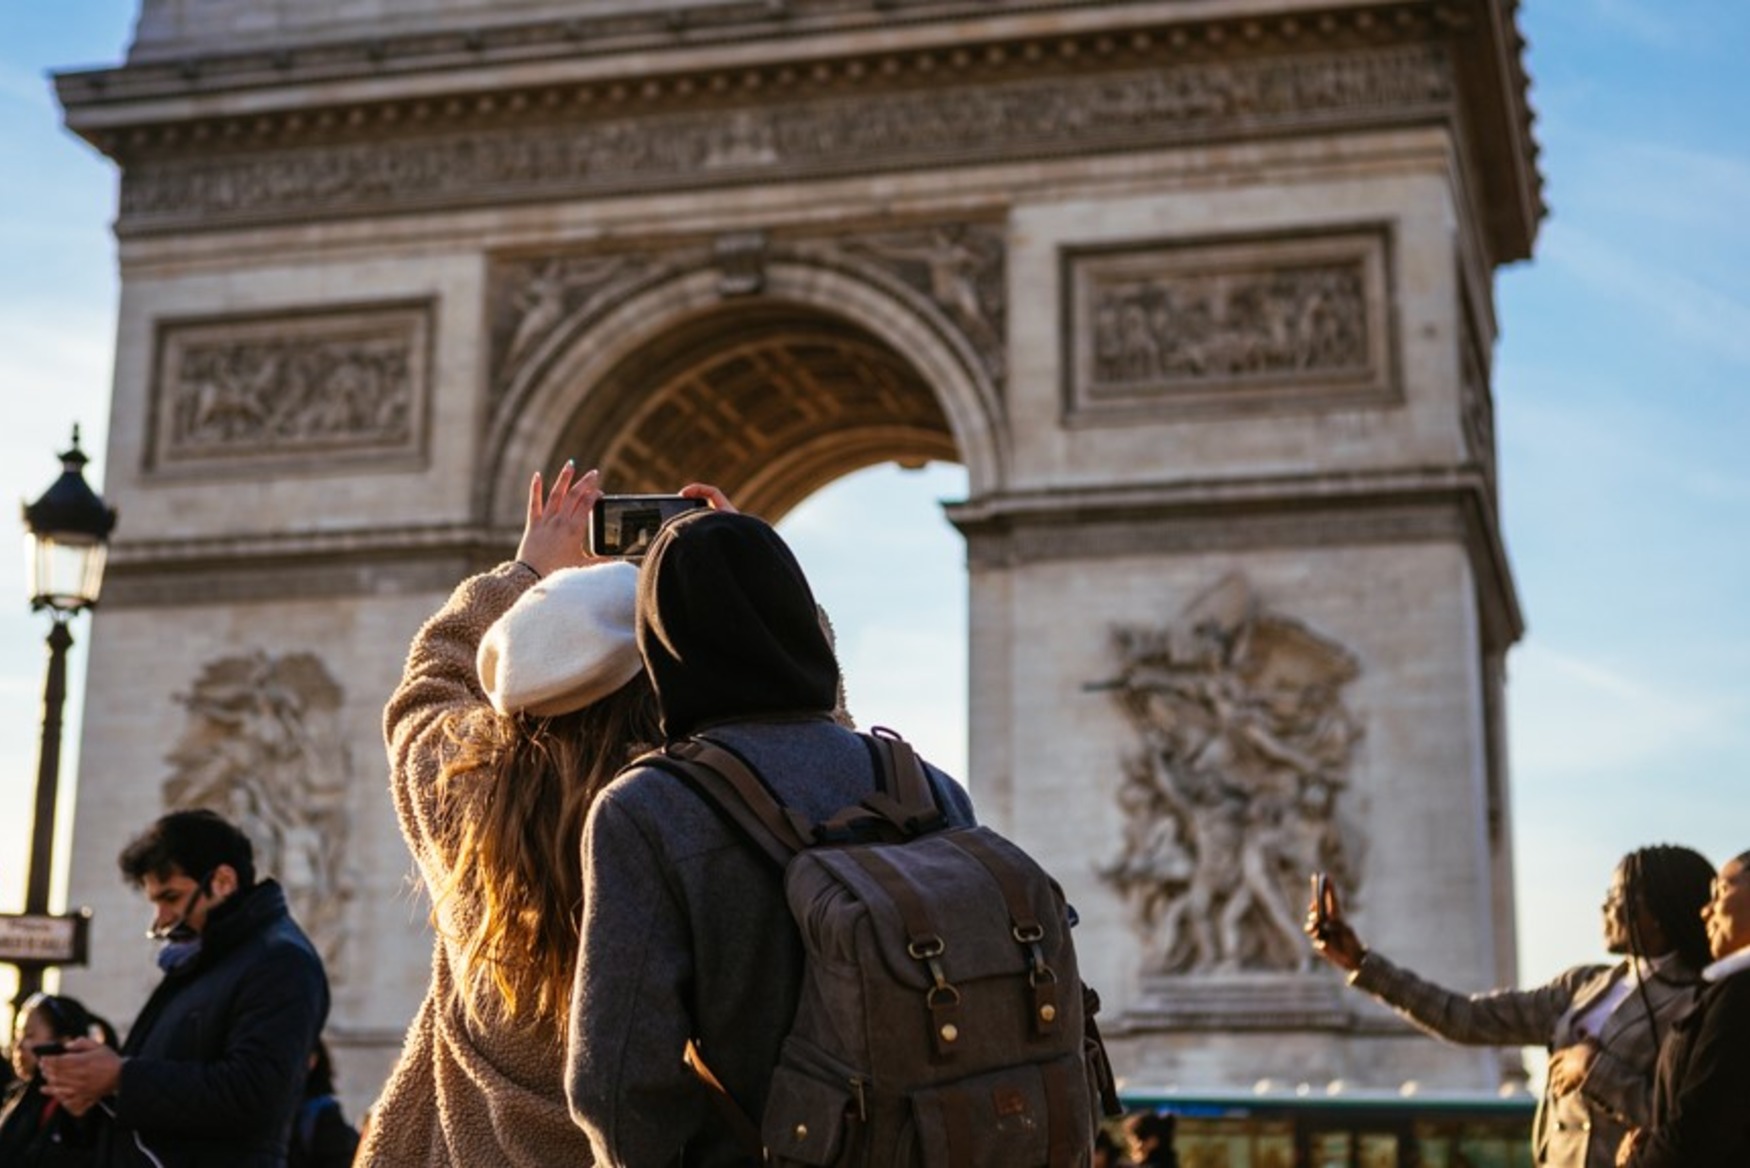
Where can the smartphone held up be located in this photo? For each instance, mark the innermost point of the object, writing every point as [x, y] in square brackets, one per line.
[1324, 903]
[623, 526]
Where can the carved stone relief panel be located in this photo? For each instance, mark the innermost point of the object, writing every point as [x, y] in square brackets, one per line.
[1237, 789]
[313, 387]
[1229, 325]
[262, 745]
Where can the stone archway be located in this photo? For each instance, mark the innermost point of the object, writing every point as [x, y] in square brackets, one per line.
[829, 367]
[772, 401]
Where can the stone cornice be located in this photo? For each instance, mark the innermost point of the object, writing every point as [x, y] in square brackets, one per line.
[658, 37]
[1497, 119]
[1412, 505]
[226, 113]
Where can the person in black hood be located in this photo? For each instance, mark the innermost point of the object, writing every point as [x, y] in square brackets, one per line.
[212, 1072]
[728, 626]
[686, 936]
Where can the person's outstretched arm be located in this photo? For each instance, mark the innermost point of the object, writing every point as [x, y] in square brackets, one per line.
[1496, 1018]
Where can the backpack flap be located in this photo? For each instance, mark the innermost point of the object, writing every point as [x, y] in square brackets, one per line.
[941, 924]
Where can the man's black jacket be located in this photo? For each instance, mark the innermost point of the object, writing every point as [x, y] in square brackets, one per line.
[215, 1063]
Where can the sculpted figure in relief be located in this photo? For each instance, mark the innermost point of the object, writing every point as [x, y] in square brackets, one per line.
[262, 746]
[1234, 797]
[960, 268]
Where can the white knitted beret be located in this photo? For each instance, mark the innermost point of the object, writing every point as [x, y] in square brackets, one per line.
[565, 643]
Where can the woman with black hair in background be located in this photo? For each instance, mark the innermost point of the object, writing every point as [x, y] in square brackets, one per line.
[1602, 1024]
[1701, 1097]
[35, 1130]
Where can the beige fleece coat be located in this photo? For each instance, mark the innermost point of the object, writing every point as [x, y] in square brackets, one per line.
[461, 1095]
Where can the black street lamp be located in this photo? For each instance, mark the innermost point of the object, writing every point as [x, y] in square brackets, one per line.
[69, 540]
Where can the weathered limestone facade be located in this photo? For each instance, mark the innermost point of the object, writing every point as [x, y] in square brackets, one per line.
[1199, 291]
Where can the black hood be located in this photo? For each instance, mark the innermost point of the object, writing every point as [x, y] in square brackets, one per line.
[728, 627]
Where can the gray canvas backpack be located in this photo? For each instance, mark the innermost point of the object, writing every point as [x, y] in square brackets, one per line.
[942, 1021]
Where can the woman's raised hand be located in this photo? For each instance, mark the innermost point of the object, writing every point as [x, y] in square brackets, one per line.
[557, 527]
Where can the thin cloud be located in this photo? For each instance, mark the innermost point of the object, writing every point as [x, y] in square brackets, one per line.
[1587, 718]
[1692, 311]
[1647, 25]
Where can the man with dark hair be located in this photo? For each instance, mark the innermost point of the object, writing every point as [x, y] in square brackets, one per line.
[213, 1068]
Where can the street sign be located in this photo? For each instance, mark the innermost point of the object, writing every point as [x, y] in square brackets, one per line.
[40, 939]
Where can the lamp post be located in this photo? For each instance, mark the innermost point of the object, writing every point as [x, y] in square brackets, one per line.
[69, 530]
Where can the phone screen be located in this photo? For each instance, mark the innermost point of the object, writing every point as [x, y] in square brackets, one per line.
[625, 525]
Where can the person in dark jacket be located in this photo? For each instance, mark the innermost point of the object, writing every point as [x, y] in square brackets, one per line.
[212, 1072]
[1701, 1098]
[686, 934]
[35, 1130]
[321, 1137]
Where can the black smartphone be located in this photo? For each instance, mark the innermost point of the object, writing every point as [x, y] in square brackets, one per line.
[624, 525]
[1323, 904]
[48, 1049]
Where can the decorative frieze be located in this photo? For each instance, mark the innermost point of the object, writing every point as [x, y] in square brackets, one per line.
[233, 393]
[263, 745]
[538, 154]
[1224, 325]
[1235, 793]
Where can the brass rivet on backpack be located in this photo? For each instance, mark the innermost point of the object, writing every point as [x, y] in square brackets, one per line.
[1048, 1012]
[801, 1131]
[950, 1032]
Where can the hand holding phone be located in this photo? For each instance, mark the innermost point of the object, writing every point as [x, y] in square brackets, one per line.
[48, 1049]
[1331, 935]
[1324, 904]
[623, 526]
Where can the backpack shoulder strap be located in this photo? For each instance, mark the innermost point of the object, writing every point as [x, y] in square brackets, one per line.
[906, 799]
[722, 778]
[906, 780]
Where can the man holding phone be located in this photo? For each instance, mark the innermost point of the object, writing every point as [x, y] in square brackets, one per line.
[213, 1069]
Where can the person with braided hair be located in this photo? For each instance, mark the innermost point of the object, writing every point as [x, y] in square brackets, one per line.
[1602, 1024]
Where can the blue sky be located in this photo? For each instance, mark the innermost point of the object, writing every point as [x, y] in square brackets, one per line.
[1622, 385]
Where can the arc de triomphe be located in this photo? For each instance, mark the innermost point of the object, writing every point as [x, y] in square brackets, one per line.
[1198, 291]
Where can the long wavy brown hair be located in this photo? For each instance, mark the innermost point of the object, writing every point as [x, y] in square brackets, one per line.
[517, 859]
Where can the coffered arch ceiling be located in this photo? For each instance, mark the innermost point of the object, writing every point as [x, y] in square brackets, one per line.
[769, 402]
